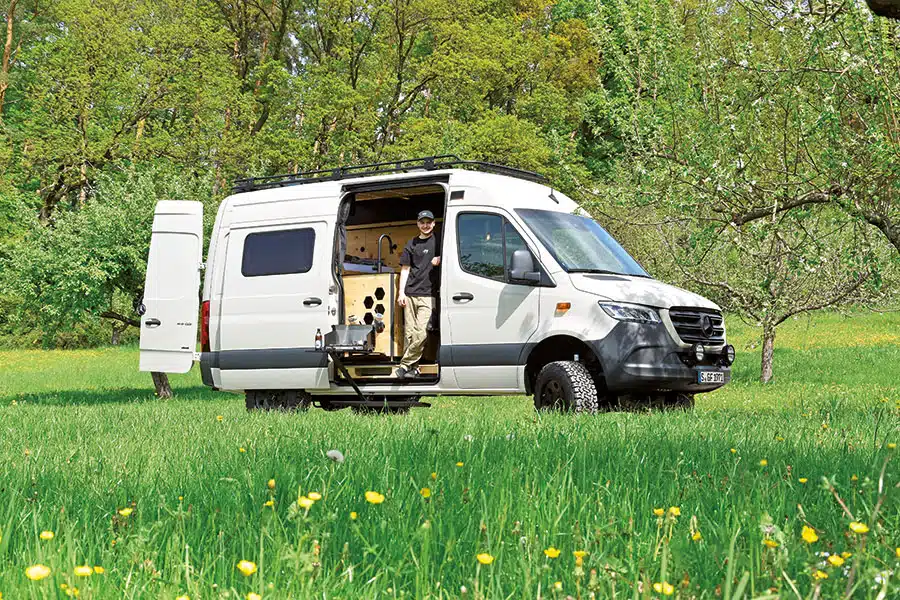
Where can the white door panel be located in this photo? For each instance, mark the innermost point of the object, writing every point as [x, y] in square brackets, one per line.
[268, 319]
[169, 323]
[489, 319]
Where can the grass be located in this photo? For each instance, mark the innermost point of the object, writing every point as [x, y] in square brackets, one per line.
[82, 437]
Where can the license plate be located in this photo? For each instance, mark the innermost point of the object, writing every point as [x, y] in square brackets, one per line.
[710, 377]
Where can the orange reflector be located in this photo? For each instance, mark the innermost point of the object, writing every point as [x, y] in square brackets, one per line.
[563, 306]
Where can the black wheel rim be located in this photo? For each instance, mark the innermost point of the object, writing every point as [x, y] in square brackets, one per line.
[552, 394]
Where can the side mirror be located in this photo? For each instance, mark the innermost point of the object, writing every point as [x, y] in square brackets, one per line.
[522, 270]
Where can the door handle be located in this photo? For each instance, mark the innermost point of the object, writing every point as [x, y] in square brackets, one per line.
[152, 323]
[463, 296]
[312, 302]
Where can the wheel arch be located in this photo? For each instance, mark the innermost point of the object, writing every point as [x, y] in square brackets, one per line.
[562, 347]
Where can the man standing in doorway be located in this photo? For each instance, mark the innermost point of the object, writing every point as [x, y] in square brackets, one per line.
[420, 282]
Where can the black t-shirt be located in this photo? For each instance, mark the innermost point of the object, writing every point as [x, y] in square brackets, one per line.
[424, 278]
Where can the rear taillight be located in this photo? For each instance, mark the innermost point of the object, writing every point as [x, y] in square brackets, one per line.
[204, 327]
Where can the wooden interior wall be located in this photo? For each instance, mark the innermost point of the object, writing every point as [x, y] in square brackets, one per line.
[362, 240]
[364, 294]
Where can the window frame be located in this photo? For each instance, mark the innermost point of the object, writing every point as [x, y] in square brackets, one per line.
[312, 258]
[504, 223]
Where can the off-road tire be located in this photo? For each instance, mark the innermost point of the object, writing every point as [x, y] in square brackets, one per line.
[287, 400]
[566, 386]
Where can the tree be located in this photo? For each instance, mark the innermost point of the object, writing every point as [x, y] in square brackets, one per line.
[92, 262]
[730, 130]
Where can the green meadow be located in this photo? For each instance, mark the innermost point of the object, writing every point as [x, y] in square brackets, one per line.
[167, 497]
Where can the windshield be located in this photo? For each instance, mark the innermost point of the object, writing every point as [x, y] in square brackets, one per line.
[579, 244]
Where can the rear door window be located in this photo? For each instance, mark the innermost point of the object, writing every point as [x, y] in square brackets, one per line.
[278, 252]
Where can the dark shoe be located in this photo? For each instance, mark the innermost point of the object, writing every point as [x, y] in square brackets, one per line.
[411, 374]
[400, 373]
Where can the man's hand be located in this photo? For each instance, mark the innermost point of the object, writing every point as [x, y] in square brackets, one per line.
[402, 300]
[436, 261]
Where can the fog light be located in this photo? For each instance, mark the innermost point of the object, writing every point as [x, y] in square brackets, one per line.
[698, 352]
[729, 355]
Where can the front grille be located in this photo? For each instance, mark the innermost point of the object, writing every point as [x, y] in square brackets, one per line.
[698, 325]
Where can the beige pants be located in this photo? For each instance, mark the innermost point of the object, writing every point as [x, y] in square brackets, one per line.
[417, 313]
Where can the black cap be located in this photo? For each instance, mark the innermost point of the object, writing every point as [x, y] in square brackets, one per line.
[425, 214]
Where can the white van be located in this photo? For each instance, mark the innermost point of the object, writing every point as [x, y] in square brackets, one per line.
[299, 299]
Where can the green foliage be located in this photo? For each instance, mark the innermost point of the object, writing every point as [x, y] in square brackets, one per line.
[92, 261]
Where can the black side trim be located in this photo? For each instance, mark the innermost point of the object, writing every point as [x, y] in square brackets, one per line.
[270, 358]
[484, 355]
[206, 368]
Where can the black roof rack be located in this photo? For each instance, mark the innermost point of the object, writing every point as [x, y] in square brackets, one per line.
[428, 163]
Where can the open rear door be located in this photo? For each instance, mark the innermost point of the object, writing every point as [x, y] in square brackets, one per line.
[169, 323]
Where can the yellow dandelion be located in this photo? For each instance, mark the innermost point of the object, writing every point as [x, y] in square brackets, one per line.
[697, 536]
[846, 555]
[764, 463]
[734, 450]
[125, 512]
[271, 484]
[674, 511]
[580, 553]
[835, 560]
[315, 496]
[99, 570]
[854, 477]
[809, 535]
[253, 596]
[47, 535]
[820, 575]
[242, 449]
[269, 503]
[892, 446]
[183, 597]
[803, 480]
[551, 552]
[37, 572]
[659, 511]
[485, 558]
[557, 585]
[896, 551]
[72, 592]
[305, 503]
[770, 543]
[83, 571]
[857, 527]
[434, 476]
[425, 492]
[219, 418]
[665, 588]
[374, 497]
[246, 567]
[353, 516]
[459, 464]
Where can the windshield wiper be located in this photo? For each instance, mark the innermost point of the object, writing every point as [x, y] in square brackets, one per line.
[608, 272]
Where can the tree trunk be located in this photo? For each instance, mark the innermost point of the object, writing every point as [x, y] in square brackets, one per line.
[161, 383]
[768, 351]
[7, 50]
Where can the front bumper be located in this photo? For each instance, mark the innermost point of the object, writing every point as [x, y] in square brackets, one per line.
[644, 357]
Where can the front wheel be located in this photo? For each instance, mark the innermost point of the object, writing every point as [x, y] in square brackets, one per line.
[565, 385]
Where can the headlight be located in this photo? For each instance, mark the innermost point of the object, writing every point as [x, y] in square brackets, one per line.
[630, 312]
[729, 355]
[698, 352]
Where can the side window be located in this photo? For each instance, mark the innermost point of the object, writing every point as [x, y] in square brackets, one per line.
[486, 244]
[278, 252]
[481, 244]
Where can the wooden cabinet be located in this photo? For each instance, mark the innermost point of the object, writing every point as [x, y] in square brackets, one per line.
[366, 294]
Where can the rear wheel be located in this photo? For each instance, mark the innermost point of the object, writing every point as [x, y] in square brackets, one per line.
[565, 385]
[277, 400]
